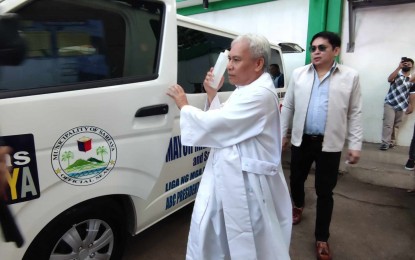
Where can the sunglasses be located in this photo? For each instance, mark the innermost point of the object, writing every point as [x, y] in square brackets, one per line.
[320, 47]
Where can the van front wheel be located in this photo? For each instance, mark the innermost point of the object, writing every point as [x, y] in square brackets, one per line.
[88, 231]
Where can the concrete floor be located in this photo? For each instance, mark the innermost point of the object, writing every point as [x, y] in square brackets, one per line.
[369, 222]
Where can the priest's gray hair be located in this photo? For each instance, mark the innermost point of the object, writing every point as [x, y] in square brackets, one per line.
[258, 45]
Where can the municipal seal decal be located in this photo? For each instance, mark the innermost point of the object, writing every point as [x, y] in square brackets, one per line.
[84, 155]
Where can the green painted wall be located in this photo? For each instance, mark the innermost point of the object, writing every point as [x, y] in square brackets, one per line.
[334, 16]
[323, 15]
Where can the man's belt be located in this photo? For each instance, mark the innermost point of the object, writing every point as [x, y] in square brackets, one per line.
[313, 138]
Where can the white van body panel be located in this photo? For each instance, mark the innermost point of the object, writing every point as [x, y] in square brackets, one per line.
[111, 109]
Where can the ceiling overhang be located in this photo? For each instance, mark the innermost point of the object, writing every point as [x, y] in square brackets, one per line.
[190, 7]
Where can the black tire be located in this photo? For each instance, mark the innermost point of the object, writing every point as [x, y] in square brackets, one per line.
[90, 229]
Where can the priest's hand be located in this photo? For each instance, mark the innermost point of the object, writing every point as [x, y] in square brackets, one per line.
[211, 92]
[178, 94]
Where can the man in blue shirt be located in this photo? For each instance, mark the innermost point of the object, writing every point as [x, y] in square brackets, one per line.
[323, 105]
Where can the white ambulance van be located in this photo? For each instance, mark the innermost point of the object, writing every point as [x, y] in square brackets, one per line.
[96, 140]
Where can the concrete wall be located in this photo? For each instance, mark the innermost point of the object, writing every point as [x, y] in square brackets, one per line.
[270, 19]
[383, 36]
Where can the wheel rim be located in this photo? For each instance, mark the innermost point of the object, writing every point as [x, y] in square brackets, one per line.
[89, 239]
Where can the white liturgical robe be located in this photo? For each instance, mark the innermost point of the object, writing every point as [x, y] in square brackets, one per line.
[243, 208]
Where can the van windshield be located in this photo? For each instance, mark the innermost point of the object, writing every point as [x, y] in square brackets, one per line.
[70, 42]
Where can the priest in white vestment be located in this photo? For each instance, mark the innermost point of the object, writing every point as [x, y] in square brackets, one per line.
[243, 208]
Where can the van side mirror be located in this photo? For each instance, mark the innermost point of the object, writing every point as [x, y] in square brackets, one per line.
[12, 45]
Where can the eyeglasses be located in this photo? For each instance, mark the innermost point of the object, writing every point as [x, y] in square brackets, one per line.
[320, 47]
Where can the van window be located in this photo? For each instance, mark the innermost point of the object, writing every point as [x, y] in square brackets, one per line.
[197, 53]
[71, 42]
[276, 59]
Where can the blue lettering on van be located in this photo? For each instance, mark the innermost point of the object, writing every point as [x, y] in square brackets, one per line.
[174, 152]
[183, 179]
[177, 150]
[187, 192]
[172, 184]
[22, 176]
[182, 195]
[196, 173]
[170, 201]
[201, 158]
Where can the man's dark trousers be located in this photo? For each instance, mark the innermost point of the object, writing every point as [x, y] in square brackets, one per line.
[327, 170]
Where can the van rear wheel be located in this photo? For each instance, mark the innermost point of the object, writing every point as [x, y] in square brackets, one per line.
[89, 231]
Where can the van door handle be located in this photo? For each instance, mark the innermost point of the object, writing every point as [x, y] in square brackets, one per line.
[154, 110]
